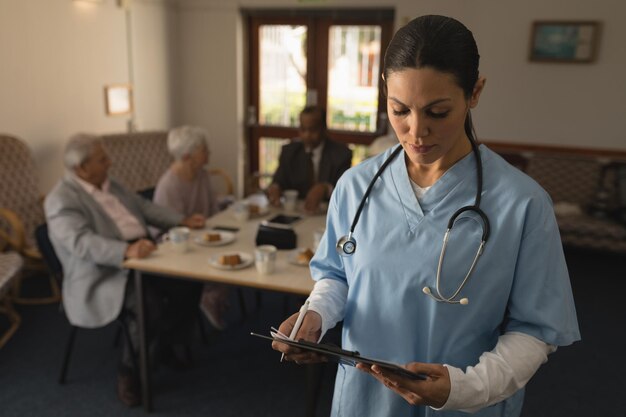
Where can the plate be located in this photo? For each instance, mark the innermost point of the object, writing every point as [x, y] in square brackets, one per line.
[226, 238]
[246, 260]
[292, 257]
[262, 211]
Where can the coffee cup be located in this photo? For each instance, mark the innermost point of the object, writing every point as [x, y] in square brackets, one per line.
[290, 200]
[241, 211]
[178, 238]
[265, 259]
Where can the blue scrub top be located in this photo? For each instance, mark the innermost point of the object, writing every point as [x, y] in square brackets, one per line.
[520, 283]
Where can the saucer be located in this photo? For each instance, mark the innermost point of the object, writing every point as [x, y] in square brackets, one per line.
[225, 239]
[246, 260]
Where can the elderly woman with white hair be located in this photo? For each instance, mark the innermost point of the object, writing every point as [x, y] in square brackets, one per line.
[186, 188]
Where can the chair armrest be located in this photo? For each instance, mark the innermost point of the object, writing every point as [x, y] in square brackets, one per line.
[228, 182]
[13, 231]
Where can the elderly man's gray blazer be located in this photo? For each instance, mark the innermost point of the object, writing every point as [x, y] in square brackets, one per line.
[91, 248]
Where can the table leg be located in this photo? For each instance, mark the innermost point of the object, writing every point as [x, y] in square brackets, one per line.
[144, 370]
[313, 385]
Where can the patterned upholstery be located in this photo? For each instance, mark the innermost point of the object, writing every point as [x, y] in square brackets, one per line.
[139, 159]
[19, 189]
[10, 265]
[572, 180]
[21, 211]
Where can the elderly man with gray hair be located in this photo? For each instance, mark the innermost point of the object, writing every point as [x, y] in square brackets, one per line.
[94, 224]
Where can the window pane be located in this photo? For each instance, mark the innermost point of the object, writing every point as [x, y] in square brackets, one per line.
[269, 152]
[353, 71]
[282, 66]
[359, 153]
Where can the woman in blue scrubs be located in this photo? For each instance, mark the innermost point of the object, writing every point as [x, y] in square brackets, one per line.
[478, 337]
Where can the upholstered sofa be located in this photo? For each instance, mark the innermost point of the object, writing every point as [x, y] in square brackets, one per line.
[140, 158]
[583, 188]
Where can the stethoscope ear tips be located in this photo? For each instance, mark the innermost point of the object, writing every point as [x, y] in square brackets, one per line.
[463, 301]
[346, 246]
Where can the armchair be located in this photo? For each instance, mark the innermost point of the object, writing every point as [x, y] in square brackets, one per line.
[10, 266]
[22, 212]
[224, 187]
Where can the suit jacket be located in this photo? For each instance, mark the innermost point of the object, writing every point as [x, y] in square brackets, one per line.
[292, 168]
[91, 248]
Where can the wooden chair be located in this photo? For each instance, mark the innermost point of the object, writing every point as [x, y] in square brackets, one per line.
[10, 267]
[224, 187]
[227, 186]
[19, 194]
[56, 270]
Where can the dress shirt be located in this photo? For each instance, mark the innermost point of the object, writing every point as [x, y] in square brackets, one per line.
[129, 226]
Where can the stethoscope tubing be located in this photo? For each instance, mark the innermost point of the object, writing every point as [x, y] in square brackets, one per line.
[371, 185]
[346, 245]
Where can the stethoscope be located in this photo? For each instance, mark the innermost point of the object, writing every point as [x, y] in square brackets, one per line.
[346, 245]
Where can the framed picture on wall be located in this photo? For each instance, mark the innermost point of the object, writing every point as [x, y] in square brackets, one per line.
[118, 99]
[564, 41]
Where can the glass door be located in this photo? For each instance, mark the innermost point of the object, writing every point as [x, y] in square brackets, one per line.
[326, 59]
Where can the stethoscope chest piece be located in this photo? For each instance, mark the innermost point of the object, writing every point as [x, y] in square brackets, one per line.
[346, 245]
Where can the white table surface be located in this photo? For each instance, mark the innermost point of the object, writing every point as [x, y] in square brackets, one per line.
[194, 264]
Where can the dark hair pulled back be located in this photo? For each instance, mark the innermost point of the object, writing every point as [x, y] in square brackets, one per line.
[441, 43]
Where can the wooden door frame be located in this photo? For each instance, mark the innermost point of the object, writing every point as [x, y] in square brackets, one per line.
[318, 22]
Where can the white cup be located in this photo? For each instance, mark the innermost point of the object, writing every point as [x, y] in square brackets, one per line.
[265, 259]
[290, 200]
[241, 211]
[178, 237]
[317, 237]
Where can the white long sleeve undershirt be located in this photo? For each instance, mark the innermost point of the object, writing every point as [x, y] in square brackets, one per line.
[498, 374]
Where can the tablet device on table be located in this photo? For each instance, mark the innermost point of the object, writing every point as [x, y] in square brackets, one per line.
[282, 221]
[346, 357]
[226, 228]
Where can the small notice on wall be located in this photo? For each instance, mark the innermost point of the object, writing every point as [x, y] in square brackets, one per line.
[118, 99]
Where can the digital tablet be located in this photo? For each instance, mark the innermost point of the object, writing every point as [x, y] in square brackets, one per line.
[226, 228]
[347, 357]
[282, 221]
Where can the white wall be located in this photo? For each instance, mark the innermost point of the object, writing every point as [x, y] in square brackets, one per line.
[155, 69]
[560, 104]
[56, 58]
[189, 58]
[209, 87]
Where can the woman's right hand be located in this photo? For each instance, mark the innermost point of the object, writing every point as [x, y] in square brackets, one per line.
[310, 330]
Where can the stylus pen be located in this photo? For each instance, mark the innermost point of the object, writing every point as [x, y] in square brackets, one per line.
[296, 327]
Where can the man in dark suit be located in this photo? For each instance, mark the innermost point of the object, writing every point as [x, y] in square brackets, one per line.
[311, 164]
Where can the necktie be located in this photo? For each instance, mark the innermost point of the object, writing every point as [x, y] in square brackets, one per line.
[310, 170]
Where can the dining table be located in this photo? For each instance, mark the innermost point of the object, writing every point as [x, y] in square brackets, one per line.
[199, 259]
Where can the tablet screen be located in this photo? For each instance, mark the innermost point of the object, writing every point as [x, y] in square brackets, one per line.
[284, 219]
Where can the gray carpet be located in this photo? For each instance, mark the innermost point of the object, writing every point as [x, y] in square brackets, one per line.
[236, 375]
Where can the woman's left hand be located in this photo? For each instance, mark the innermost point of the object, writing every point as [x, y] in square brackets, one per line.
[433, 391]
